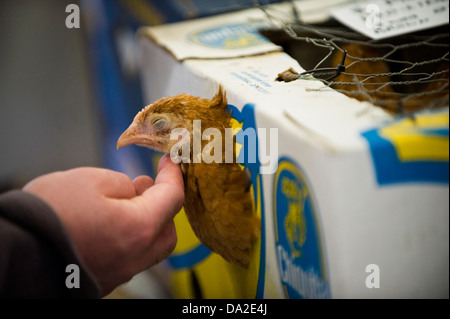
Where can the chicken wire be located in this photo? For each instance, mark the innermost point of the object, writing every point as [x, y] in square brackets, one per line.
[402, 74]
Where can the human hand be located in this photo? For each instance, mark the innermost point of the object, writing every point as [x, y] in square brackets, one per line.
[120, 227]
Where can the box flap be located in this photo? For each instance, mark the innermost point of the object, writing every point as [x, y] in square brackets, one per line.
[234, 34]
[225, 36]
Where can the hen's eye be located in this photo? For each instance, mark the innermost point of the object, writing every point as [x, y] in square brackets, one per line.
[158, 123]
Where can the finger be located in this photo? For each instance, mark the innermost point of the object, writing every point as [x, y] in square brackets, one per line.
[107, 182]
[169, 186]
[161, 248]
[164, 161]
[169, 173]
[142, 183]
[160, 203]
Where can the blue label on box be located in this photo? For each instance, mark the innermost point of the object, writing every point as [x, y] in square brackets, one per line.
[299, 248]
[411, 149]
[245, 119]
[229, 36]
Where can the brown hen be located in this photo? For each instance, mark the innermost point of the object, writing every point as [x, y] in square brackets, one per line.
[218, 202]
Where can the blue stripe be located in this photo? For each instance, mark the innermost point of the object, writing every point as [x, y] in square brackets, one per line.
[390, 169]
[436, 131]
[190, 258]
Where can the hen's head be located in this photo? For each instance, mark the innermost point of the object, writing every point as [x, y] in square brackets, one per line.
[153, 125]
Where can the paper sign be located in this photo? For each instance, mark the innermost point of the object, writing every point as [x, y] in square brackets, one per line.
[380, 19]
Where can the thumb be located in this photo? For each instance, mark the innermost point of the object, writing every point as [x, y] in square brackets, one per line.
[164, 199]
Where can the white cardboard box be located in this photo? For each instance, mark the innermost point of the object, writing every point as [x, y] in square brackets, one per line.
[358, 203]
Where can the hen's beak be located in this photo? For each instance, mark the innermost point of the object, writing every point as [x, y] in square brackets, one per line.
[133, 136]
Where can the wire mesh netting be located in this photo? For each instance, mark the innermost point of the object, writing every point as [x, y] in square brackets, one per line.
[402, 74]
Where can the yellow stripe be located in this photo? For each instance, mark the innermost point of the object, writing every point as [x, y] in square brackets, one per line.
[413, 143]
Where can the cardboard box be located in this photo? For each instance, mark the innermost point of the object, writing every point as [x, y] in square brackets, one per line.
[354, 202]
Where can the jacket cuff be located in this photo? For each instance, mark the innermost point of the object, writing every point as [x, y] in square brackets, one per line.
[35, 249]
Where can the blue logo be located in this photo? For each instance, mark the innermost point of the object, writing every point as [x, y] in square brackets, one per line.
[230, 36]
[299, 248]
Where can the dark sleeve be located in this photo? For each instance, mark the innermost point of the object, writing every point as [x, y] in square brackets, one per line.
[35, 250]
